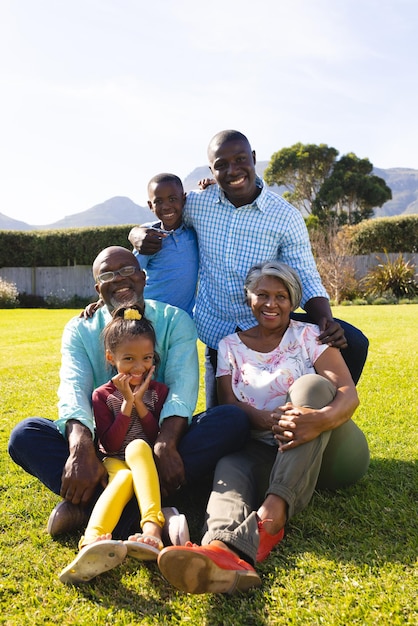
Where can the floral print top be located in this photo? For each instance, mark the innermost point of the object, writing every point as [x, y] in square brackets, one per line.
[262, 379]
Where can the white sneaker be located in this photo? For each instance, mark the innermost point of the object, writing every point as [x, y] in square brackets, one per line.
[92, 560]
[176, 530]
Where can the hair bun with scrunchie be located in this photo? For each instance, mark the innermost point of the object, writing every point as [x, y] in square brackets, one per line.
[132, 314]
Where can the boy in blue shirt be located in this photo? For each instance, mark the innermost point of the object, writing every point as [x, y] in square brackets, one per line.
[172, 271]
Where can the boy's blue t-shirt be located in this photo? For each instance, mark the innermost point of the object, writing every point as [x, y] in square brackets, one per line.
[172, 272]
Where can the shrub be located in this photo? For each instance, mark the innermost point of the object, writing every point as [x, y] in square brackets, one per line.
[8, 295]
[393, 278]
[59, 248]
[408, 300]
[386, 299]
[31, 301]
[62, 301]
[334, 263]
[392, 234]
[52, 301]
[360, 301]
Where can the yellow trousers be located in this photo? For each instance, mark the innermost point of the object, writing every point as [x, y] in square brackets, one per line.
[136, 475]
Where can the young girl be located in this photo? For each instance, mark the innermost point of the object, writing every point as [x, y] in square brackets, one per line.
[126, 411]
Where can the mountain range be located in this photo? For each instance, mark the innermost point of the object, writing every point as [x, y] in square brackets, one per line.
[122, 210]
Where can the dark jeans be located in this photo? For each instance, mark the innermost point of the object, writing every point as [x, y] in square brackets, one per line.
[39, 448]
[354, 355]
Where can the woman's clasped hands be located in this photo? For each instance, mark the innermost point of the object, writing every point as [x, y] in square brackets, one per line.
[294, 426]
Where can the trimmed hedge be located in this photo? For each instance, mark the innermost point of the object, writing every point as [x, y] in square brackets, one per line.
[390, 234]
[58, 248]
[80, 246]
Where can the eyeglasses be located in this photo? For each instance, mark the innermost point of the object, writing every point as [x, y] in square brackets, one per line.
[107, 277]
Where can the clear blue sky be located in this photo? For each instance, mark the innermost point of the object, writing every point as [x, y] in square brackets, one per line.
[97, 96]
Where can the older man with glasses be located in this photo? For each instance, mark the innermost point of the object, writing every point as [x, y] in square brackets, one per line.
[63, 455]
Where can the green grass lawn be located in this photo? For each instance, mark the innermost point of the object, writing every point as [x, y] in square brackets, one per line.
[349, 558]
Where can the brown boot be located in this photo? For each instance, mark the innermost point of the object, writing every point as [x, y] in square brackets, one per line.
[65, 518]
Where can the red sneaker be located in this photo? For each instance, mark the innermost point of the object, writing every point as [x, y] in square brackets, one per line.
[206, 569]
[267, 542]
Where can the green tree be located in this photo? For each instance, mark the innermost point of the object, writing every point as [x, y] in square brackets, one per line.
[351, 191]
[342, 191]
[302, 169]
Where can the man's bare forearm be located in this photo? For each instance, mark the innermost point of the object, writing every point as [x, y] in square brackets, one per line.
[171, 431]
[318, 308]
[83, 470]
[78, 436]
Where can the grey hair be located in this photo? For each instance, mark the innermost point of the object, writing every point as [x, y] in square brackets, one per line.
[283, 272]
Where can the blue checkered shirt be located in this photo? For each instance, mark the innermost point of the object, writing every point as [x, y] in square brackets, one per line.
[231, 240]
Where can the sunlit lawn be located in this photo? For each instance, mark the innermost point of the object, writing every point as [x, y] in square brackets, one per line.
[350, 558]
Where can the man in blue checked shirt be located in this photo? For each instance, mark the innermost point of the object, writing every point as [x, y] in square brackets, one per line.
[239, 222]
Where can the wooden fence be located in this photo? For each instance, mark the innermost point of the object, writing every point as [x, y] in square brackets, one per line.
[66, 282]
[57, 282]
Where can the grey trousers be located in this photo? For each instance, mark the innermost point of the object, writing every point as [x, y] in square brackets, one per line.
[242, 480]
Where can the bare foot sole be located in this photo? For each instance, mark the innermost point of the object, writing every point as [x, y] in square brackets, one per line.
[143, 550]
[92, 560]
